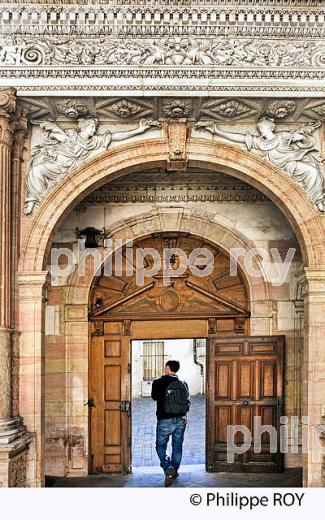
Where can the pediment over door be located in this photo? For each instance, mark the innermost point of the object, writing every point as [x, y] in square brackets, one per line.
[218, 294]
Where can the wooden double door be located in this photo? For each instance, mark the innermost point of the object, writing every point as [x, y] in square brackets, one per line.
[244, 382]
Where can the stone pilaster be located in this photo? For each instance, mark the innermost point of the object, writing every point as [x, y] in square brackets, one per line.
[313, 375]
[16, 163]
[13, 436]
[32, 298]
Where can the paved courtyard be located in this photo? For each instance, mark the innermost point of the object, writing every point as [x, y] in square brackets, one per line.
[144, 433]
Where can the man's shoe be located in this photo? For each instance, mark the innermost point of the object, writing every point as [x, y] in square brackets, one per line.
[169, 475]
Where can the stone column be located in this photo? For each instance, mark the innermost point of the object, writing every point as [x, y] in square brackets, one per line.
[313, 399]
[17, 159]
[13, 438]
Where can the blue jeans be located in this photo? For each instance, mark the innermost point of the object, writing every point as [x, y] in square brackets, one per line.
[174, 427]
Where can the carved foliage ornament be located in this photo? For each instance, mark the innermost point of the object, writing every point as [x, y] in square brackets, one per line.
[230, 108]
[177, 108]
[72, 108]
[224, 52]
[125, 108]
[281, 108]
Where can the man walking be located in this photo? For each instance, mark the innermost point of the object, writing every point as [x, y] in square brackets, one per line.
[173, 403]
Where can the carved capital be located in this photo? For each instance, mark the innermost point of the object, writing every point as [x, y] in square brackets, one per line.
[98, 329]
[177, 137]
[7, 101]
[313, 284]
[33, 285]
[7, 110]
[20, 131]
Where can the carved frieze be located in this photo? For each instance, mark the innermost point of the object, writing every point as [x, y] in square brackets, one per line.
[148, 45]
[178, 193]
[177, 52]
[121, 109]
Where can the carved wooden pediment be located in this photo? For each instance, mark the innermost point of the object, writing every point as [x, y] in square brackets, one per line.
[218, 294]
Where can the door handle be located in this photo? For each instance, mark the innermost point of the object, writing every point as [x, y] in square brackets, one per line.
[90, 403]
[245, 403]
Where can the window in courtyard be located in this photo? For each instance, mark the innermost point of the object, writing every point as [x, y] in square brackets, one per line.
[153, 359]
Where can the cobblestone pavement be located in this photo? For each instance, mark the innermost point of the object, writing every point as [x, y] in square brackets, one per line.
[144, 433]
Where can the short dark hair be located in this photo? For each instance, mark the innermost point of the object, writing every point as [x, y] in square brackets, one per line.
[173, 365]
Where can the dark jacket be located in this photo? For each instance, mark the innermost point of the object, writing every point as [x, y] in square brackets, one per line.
[158, 394]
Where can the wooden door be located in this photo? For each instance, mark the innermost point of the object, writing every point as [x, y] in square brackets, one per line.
[245, 380]
[109, 392]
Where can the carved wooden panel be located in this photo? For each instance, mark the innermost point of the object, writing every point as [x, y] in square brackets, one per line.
[217, 295]
[108, 387]
[244, 381]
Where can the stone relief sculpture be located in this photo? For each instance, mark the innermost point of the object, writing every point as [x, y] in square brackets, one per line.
[178, 51]
[293, 151]
[62, 150]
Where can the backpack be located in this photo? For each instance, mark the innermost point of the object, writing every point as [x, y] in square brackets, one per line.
[177, 398]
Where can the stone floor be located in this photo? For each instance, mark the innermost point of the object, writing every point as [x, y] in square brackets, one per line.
[144, 433]
[190, 476]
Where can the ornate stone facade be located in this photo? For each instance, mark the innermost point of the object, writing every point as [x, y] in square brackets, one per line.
[102, 114]
[142, 43]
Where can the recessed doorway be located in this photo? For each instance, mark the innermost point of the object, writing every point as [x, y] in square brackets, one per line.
[148, 361]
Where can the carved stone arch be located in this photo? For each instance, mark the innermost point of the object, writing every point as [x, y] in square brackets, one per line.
[247, 166]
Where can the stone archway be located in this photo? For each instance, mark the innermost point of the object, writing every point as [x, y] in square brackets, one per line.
[289, 197]
[77, 304]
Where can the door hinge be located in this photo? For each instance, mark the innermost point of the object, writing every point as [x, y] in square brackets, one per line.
[129, 368]
[129, 442]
